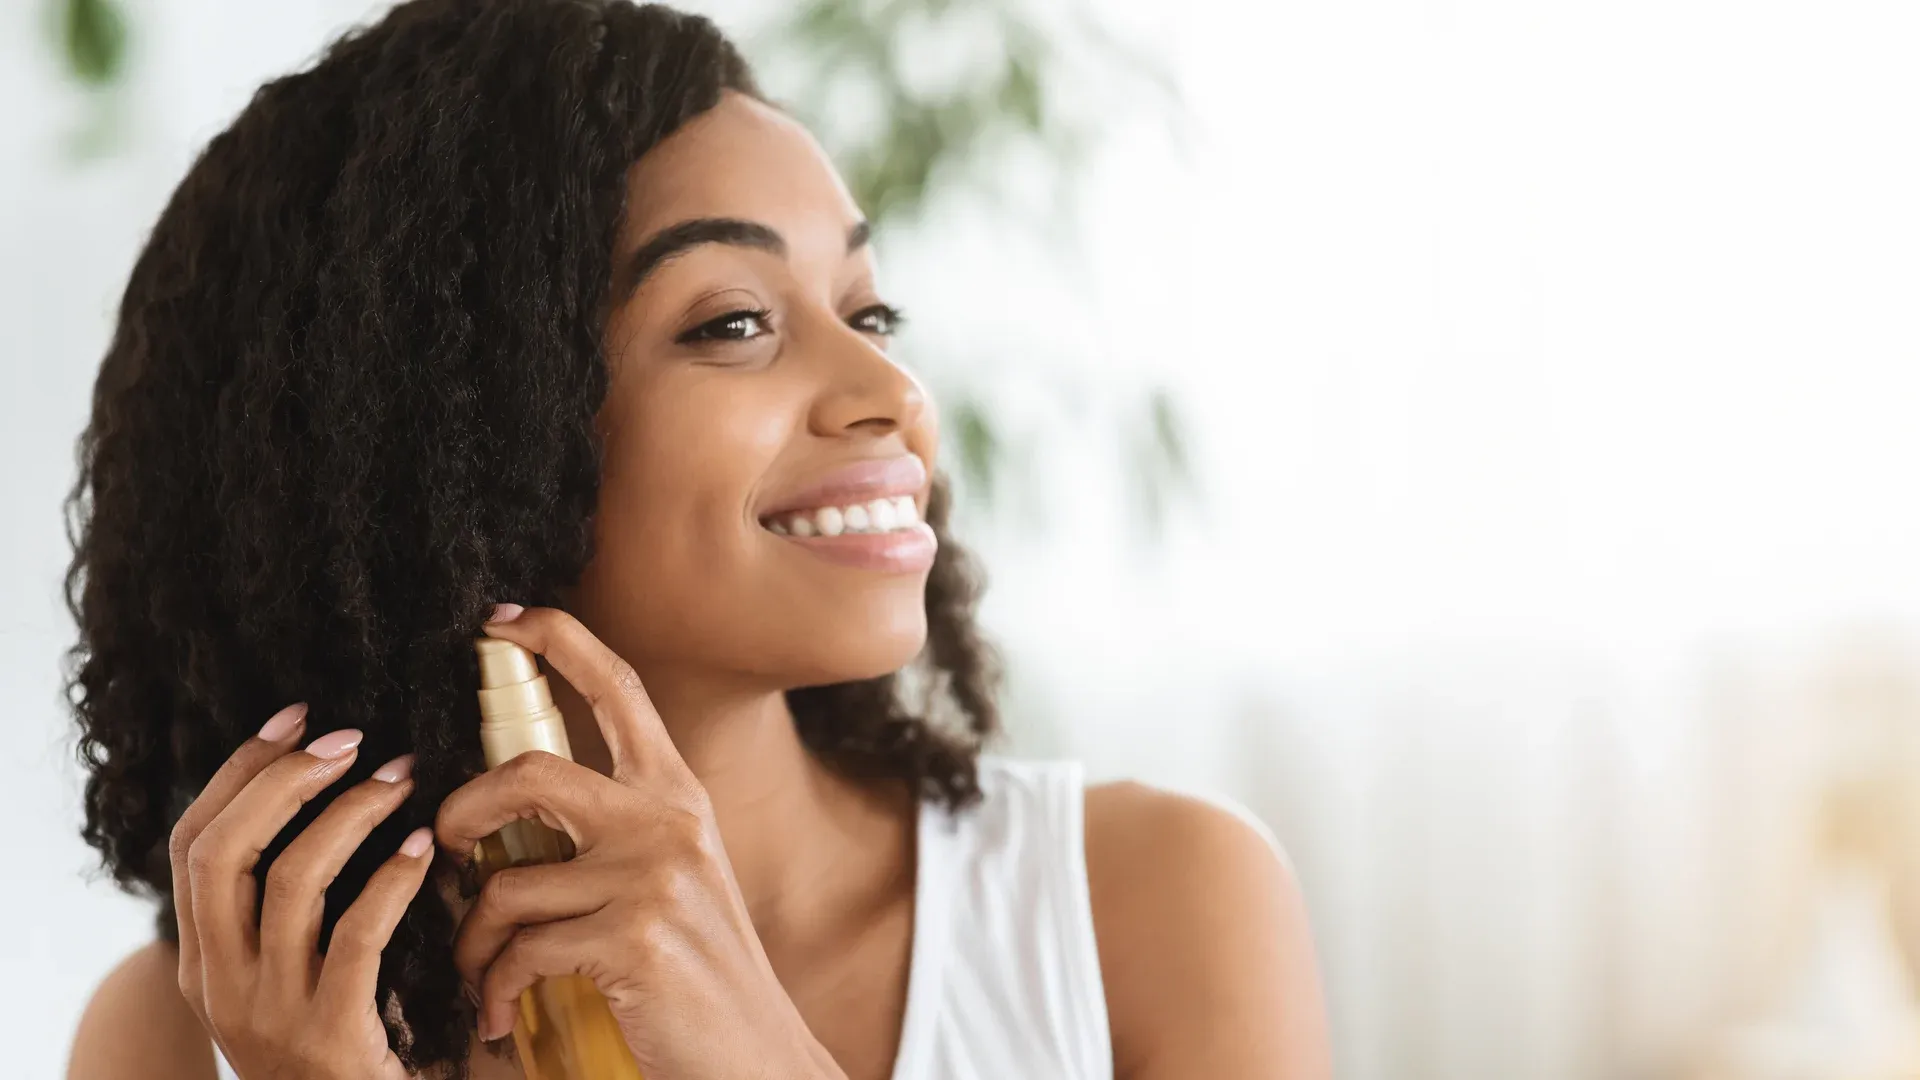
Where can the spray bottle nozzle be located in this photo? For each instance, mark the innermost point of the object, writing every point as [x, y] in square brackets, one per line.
[502, 663]
[516, 704]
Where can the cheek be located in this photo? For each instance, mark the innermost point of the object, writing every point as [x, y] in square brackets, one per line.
[677, 480]
[682, 564]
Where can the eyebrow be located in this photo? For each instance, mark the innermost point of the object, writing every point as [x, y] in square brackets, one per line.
[679, 237]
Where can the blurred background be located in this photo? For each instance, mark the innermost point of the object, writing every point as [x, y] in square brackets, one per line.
[1480, 436]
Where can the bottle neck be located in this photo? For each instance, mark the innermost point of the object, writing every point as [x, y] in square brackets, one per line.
[521, 717]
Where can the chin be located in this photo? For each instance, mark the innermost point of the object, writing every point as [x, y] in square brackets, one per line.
[854, 648]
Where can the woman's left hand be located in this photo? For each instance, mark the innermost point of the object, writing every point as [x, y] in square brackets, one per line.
[648, 907]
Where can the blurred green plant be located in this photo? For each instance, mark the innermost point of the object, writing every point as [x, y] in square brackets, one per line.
[93, 39]
[915, 138]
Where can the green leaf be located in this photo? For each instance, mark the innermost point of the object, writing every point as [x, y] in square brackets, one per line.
[1020, 94]
[94, 37]
[976, 437]
[1169, 436]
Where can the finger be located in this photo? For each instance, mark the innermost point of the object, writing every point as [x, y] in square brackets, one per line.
[561, 794]
[297, 884]
[273, 740]
[523, 896]
[572, 947]
[352, 964]
[221, 860]
[628, 721]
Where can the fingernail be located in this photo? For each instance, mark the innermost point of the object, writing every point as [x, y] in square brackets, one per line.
[473, 996]
[334, 743]
[396, 770]
[417, 843]
[285, 722]
[505, 613]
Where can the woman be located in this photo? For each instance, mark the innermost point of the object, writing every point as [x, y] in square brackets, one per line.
[540, 304]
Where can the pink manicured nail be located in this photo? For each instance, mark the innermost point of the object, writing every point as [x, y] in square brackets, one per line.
[285, 722]
[417, 843]
[505, 613]
[396, 770]
[334, 743]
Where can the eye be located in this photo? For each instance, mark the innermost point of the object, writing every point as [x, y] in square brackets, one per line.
[891, 319]
[725, 328]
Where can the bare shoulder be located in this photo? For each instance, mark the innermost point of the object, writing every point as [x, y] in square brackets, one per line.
[137, 1024]
[1202, 931]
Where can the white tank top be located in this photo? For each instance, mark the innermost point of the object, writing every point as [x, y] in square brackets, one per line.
[1005, 977]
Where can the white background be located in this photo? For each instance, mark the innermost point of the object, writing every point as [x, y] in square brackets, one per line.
[1552, 369]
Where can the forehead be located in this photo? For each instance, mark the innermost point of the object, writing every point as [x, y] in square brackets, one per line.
[741, 159]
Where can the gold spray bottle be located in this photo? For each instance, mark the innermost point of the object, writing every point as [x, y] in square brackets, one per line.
[565, 1030]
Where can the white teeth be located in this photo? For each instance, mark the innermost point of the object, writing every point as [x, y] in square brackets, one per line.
[877, 516]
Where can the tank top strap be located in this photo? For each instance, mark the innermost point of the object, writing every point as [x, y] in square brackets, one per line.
[1006, 972]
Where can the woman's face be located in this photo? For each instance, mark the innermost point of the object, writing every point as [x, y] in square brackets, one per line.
[753, 411]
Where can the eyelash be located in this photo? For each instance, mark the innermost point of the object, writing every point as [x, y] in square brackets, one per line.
[895, 319]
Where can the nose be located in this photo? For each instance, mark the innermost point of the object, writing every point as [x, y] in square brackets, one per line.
[865, 390]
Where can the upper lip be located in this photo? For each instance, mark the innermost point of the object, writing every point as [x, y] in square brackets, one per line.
[858, 482]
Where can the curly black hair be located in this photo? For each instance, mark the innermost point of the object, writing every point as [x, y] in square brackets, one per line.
[348, 405]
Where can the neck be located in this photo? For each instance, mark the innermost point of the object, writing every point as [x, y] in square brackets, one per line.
[805, 843]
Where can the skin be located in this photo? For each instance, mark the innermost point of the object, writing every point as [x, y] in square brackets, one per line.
[725, 881]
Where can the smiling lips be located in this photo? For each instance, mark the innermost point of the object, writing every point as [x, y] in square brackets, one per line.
[863, 515]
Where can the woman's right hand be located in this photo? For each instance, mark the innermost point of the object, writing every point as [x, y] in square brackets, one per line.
[275, 1007]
